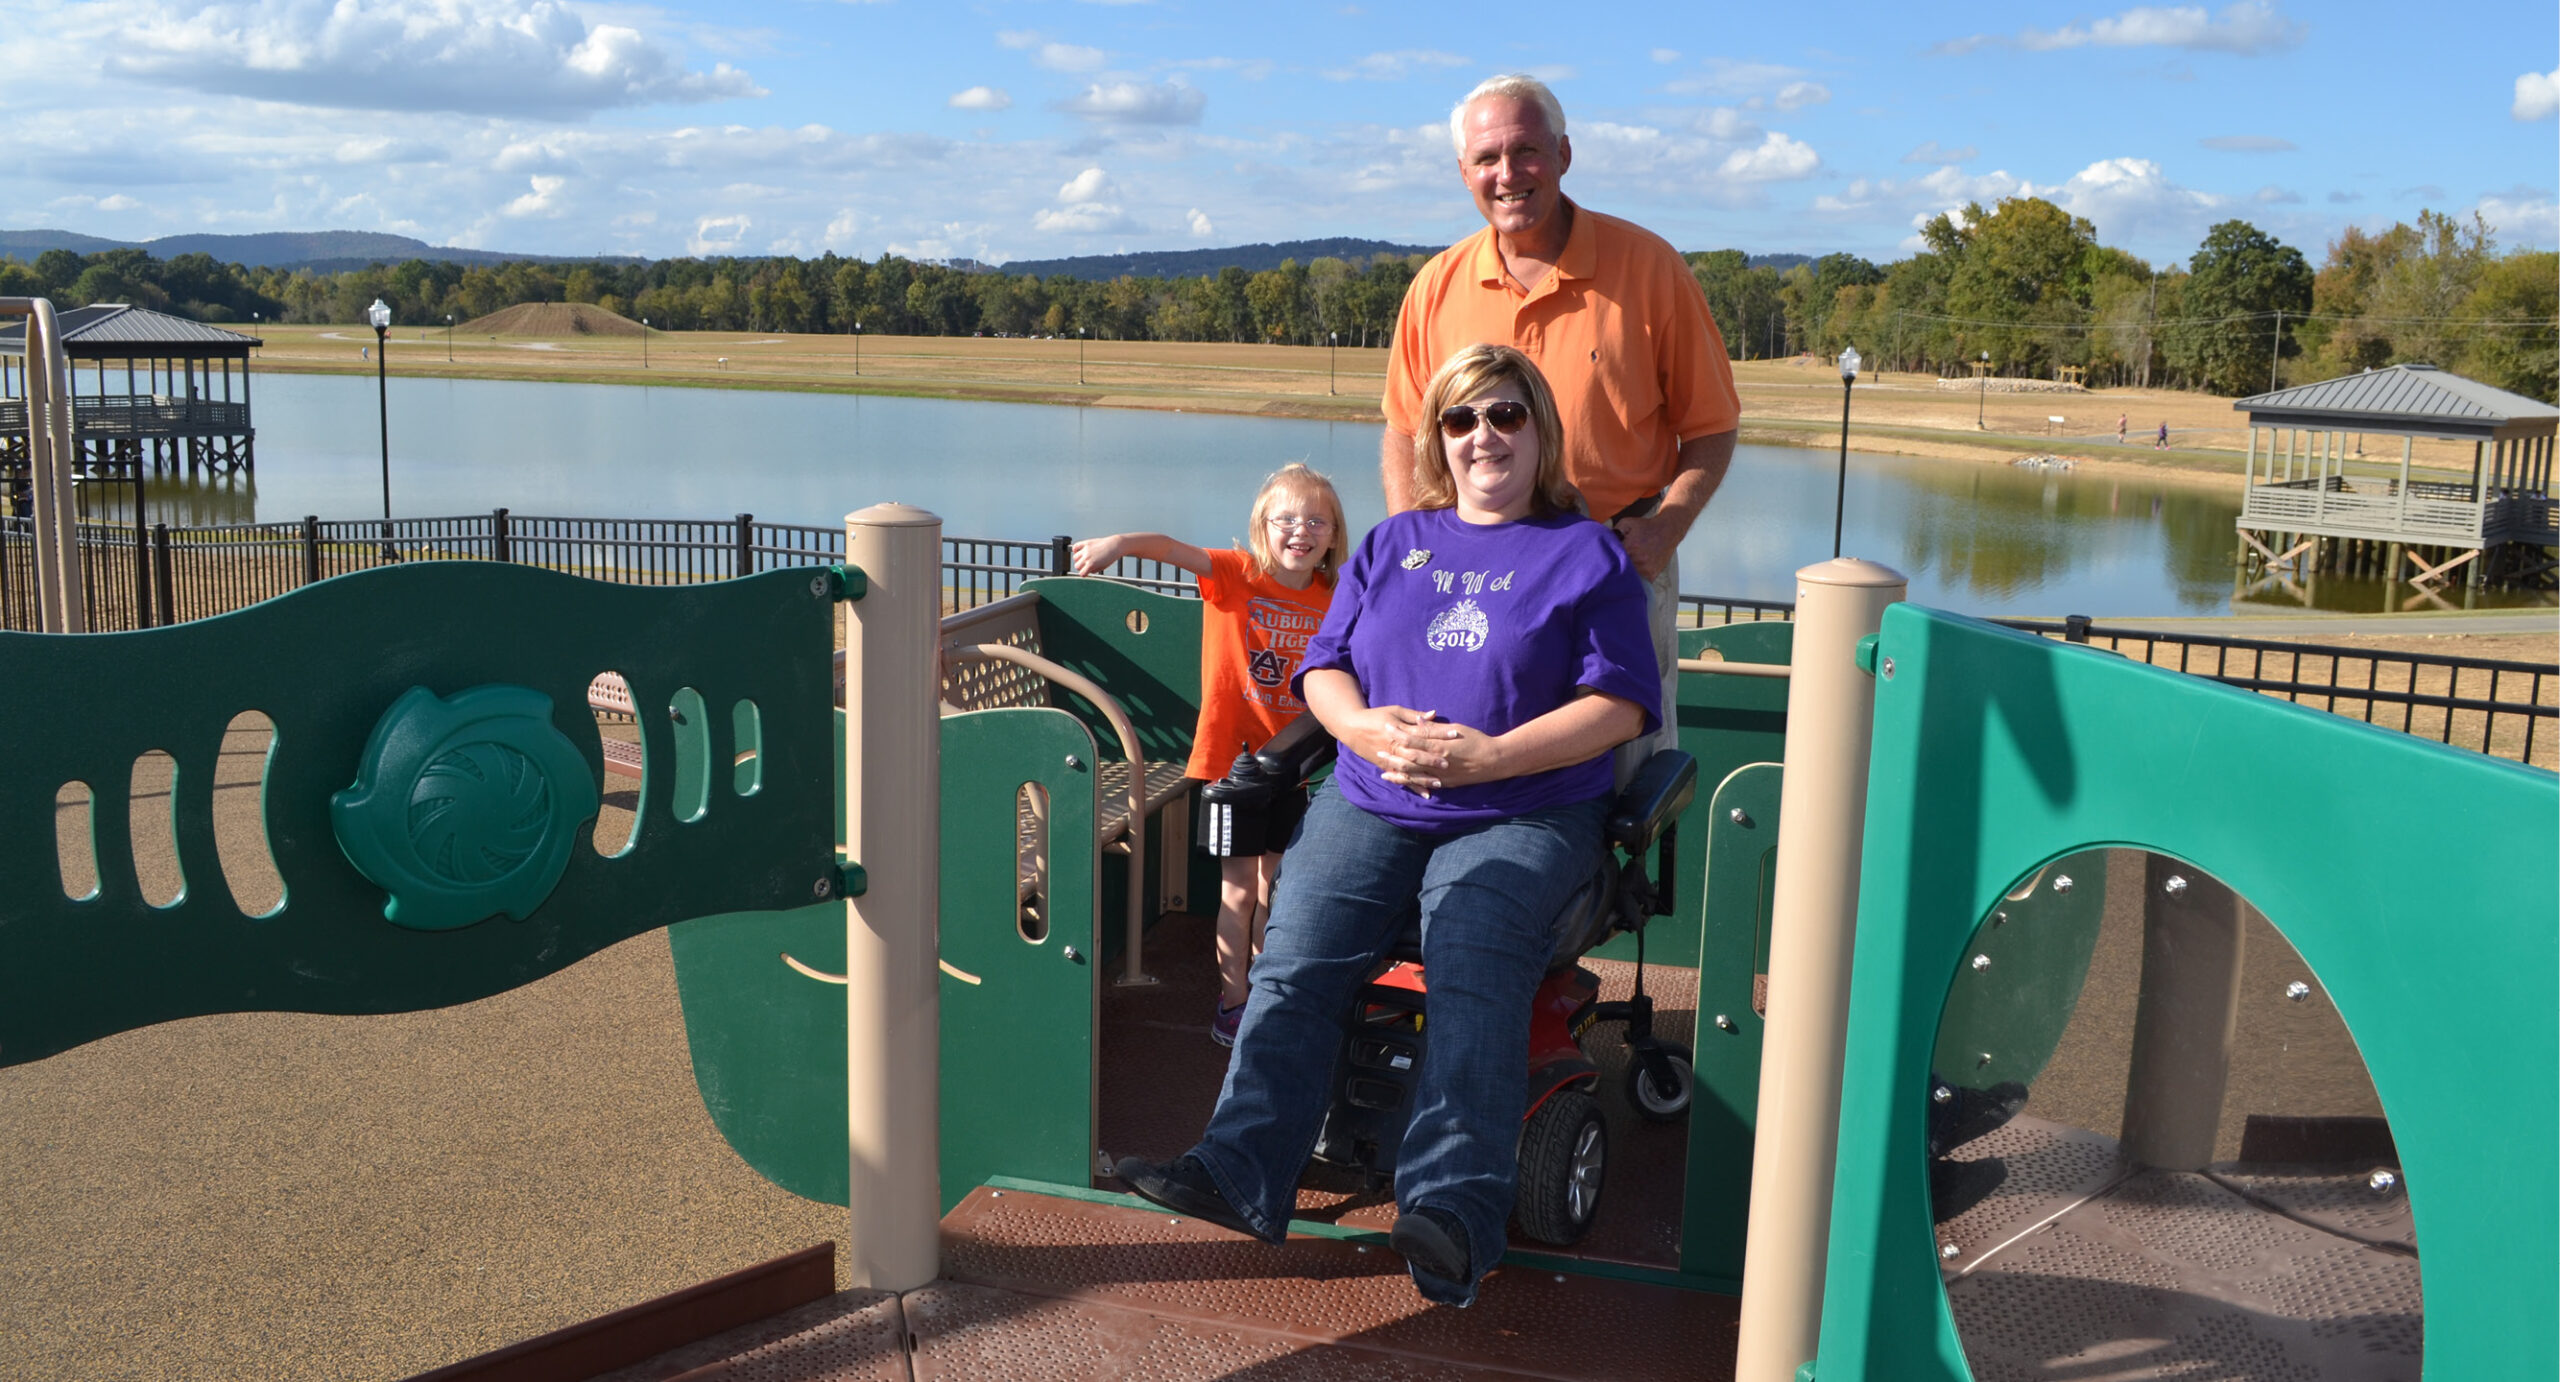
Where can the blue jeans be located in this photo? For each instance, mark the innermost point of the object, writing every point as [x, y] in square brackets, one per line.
[1489, 898]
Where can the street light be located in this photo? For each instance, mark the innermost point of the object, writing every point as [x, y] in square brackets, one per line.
[380, 315]
[1981, 388]
[857, 350]
[448, 338]
[644, 343]
[1332, 345]
[1079, 354]
[1848, 377]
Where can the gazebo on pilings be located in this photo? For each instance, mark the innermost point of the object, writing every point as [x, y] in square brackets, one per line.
[2313, 506]
[161, 393]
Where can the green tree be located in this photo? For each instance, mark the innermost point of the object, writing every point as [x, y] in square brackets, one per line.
[2237, 282]
[2419, 294]
[2513, 321]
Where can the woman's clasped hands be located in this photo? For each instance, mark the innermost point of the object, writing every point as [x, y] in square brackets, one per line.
[1420, 752]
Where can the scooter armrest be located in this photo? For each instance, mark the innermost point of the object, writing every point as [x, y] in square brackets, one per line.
[1661, 790]
[1297, 750]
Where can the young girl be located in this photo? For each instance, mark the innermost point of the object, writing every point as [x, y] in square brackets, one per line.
[1264, 603]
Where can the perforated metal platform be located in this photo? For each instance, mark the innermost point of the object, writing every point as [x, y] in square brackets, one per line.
[2079, 1266]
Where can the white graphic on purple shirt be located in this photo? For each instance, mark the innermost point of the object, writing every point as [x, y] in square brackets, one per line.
[1461, 626]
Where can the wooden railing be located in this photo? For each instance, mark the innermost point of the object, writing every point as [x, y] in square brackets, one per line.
[140, 415]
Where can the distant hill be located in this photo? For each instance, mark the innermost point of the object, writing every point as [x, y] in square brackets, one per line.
[551, 320]
[1253, 259]
[322, 251]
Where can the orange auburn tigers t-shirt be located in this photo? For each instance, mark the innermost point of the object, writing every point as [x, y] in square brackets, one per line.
[1620, 330]
[1251, 637]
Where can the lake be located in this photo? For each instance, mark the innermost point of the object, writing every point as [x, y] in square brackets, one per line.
[1973, 538]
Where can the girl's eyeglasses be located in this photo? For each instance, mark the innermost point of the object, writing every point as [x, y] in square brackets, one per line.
[1507, 417]
[1307, 525]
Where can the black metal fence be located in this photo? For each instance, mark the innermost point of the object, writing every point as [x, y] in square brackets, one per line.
[2505, 709]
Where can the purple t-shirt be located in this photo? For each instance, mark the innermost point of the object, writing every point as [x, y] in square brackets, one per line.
[1489, 626]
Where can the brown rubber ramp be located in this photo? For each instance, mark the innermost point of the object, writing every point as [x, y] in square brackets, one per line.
[1319, 1293]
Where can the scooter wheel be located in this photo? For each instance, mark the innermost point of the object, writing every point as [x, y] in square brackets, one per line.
[1658, 1085]
[1564, 1155]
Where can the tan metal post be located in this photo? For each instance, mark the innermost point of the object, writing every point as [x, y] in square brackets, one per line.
[2185, 1018]
[61, 603]
[893, 825]
[1821, 827]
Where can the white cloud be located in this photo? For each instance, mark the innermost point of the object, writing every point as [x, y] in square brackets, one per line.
[1084, 218]
[2272, 195]
[1935, 152]
[841, 230]
[982, 98]
[1726, 77]
[1200, 224]
[1798, 95]
[541, 201]
[2523, 216]
[1091, 185]
[1666, 55]
[2537, 95]
[1776, 159]
[2248, 29]
[480, 57]
[718, 235]
[1138, 103]
[1070, 57]
[2249, 144]
[1017, 39]
[1395, 66]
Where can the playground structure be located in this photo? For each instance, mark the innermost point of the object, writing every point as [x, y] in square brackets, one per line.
[1891, 909]
[1938, 762]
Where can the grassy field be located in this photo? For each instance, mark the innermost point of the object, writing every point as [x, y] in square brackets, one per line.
[1784, 402]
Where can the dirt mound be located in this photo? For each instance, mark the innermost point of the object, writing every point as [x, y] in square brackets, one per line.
[551, 319]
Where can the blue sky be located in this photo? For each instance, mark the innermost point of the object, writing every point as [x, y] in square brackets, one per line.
[1030, 130]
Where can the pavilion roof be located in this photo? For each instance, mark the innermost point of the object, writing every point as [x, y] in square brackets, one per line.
[2417, 399]
[115, 330]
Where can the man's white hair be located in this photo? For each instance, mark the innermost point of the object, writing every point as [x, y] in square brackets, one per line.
[1518, 86]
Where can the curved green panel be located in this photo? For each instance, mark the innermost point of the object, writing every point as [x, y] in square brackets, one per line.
[1996, 752]
[324, 664]
[1725, 1106]
[768, 1042]
[2022, 975]
[1085, 625]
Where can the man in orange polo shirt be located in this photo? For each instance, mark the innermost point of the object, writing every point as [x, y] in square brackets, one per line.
[1612, 316]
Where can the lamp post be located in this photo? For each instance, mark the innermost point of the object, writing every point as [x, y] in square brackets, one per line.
[1981, 388]
[1839, 502]
[1079, 354]
[380, 315]
[857, 350]
[644, 343]
[1332, 347]
[448, 338]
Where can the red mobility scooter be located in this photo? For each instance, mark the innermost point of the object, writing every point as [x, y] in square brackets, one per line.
[1564, 1140]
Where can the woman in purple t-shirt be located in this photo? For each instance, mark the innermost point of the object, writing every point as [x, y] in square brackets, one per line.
[1484, 653]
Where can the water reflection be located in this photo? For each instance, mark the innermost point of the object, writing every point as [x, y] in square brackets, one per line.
[181, 501]
[1974, 538]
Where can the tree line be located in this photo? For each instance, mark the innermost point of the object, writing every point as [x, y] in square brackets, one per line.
[2022, 288]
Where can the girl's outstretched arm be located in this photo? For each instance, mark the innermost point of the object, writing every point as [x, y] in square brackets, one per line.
[1098, 553]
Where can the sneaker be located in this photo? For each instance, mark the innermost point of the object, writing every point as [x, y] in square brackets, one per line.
[1183, 1186]
[1223, 1030]
[1433, 1241]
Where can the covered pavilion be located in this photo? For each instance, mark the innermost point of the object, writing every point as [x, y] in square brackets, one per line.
[161, 392]
[2305, 508]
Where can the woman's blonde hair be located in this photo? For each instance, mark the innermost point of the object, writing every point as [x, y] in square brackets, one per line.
[1469, 374]
[1299, 480]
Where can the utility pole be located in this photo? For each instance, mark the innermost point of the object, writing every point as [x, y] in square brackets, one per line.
[2275, 351]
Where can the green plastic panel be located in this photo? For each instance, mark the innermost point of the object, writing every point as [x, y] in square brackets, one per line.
[324, 664]
[2004, 1019]
[1019, 1039]
[1725, 1105]
[1094, 627]
[1725, 722]
[2416, 881]
[1017, 1049]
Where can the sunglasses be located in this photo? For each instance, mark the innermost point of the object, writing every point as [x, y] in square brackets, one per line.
[1507, 417]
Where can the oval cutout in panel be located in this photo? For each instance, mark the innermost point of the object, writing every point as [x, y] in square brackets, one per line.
[240, 843]
[746, 735]
[625, 757]
[692, 725]
[2146, 1121]
[153, 803]
[75, 840]
[1031, 863]
[1137, 621]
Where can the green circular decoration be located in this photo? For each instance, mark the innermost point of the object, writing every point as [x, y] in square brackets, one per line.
[464, 806]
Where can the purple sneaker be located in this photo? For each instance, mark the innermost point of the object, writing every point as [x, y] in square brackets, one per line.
[1223, 1030]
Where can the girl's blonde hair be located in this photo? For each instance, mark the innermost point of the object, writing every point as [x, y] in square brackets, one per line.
[1300, 480]
[1470, 374]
